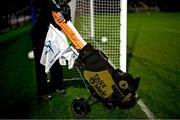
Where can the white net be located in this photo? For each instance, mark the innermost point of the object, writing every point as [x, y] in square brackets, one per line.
[98, 22]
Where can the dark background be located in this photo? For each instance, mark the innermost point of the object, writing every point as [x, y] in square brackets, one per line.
[12, 6]
[17, 8]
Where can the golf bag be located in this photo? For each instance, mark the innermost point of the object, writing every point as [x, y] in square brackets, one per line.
[110, 86]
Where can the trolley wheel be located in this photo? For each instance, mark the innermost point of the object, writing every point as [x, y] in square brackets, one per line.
[80, 107]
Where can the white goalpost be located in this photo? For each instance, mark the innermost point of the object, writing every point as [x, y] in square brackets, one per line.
[123, 36]
[103, 23]
[123, 30]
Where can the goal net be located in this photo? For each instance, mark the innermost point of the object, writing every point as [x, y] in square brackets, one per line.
[103, 24]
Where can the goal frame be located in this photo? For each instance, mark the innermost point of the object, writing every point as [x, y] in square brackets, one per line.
[123, 32]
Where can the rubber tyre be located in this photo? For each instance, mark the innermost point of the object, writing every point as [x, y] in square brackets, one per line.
[80, 107]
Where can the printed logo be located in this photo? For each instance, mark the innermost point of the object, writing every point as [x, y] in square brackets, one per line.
[123, 84]
[98, 84]
[48, 46]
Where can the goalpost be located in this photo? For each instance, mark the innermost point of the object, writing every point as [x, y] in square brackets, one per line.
[103, 23]
[123, 36]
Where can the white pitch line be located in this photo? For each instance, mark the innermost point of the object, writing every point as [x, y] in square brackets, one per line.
[170, 30]
[146, 110]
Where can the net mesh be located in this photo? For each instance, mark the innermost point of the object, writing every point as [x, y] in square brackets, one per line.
[100, 27]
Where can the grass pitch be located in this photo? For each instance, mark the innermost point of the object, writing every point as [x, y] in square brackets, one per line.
[153, 54]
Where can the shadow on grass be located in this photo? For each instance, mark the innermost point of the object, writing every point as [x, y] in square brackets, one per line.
[163, 97]
[152, 68]
[74, 83]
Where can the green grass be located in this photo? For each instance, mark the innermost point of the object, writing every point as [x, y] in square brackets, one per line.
[153, 41]
[153, 54]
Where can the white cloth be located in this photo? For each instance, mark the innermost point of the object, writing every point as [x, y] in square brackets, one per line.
[54, 46]
[70, 55]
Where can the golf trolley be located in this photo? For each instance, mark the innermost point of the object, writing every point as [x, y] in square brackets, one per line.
[112, 87]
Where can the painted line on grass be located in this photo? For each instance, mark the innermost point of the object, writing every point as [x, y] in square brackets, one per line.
[146, 110]
[170, 30]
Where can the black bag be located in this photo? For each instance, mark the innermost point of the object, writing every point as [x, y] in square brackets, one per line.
[112, 86]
